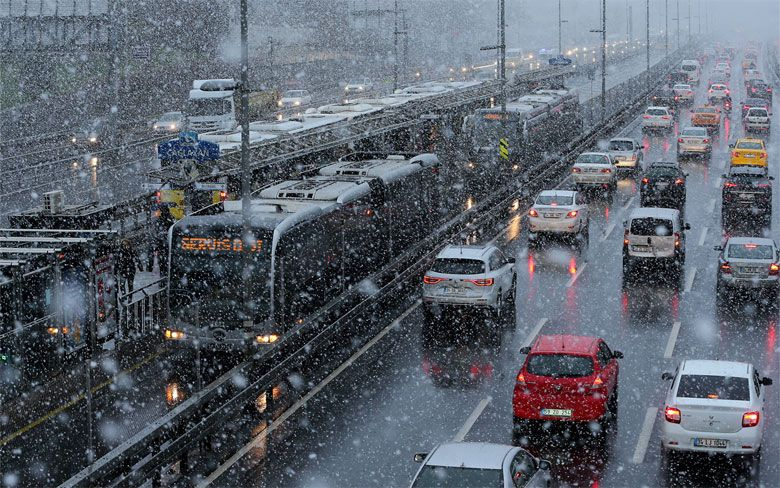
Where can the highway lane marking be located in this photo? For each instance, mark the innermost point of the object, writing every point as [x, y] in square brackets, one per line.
[711, 207]
[644, 436]
[703, 236]
[612, 224]
[35, 423]
[573, 279]
[628, 204]
[672, 339]
[530, 338]
[260, 439]
[689, 280]
[472, 419]
[608, 232]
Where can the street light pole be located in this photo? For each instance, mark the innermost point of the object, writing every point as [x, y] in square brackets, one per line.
[689, 20]
[647, 32]
[395, 46]
[678, 24]
[246, 202]
[603, 32]
[502, 52]
[666, 30]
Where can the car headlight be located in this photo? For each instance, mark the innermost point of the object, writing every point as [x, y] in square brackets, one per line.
[297, 102]
[175, 335]
[93, 139]
[73, 140]
[173, 126]
[279, 103]
[267, 338]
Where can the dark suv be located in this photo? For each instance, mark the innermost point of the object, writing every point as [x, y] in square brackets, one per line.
[754, 102]
[759, 89]
[663, 185]
[664, 97]
[747, 192]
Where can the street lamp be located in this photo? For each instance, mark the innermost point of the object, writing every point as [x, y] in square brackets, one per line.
[603, 32]
[666, 29]
[560, 26]
[647, 14]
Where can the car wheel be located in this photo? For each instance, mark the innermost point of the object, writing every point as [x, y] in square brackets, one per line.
[512, 291]
[498, 311]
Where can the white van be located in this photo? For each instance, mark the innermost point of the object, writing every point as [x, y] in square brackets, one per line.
[692, 68]
[654, 235]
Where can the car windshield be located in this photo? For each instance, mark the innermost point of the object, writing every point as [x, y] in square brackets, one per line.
[689, 67]
[621, 146]
[457, 477]
[757, 112]
[554, 200]
[749, 145]
[293, 94]
[649, 226]
[713, 387]
[662, 172]
[560, 365]
[717, 87]
[694, 132]
[682, 87]
[657, 111]
[750, 251]
[206, 106]
[593, 158]
[458, 266]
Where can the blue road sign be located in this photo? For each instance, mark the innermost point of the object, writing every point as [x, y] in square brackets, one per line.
[188, 147]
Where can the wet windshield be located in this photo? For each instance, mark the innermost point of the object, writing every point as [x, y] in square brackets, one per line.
[750, 251]
[206, 106]
[651, 227]
[560, 365]
[621, 146]
[713, 387]
[458, 266]
[554, 200]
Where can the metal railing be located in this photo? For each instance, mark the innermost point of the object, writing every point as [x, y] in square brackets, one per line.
[141, 311]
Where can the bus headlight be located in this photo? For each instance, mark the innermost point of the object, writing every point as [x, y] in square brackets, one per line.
[267, 338]
[174, 335]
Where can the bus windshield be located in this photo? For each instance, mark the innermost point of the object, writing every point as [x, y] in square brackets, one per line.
[196, 107]
[205, 276]
[487, 127]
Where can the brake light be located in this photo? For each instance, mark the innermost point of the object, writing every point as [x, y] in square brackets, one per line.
[432, 280]
[676, 239]
[676, 98]
[774, 269]
[576, 170]
[729, 184]
[673, 415]
[725, 267]
[710, 90]
[750, 419]
[764, 155]
[482, 282]
[533, 213]
[679, 181]
[734, 154]
[665, 117]
[625, 237]
[520, 378]
[705, 141]
[598, 383]
[727, 92]
[746, 107]
[647, 117]
[645, 180]
[679, 139]
[606, 170]
[572, 214]
[222, 195]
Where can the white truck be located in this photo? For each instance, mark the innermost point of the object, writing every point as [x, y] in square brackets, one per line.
[213, 105]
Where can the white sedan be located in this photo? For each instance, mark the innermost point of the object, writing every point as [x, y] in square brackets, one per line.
[657, 118]
[558, 213]
[358, 87]
[714, 407]
[683, 93]
[594, 169]
[627, 154]
[479, 277]
[474, 464]
[717, 92]
[294, 98]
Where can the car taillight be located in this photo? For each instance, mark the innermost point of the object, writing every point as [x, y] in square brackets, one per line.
[647, 117]
[750, 419]
[705, 141]
[645, 181]
[764, 155]
[745, 107]
[679, 139]
[679, 181]
[734, 154]
[672, 415]
[576, 170]
[725, 267]
[432, 280]
[597, 383]
[533, 213]
[665, 117]
[729, 184]
[625, 237]
[774, 269]
[676, 239]
[606, 170]
[572, 214]
[520, 378]
[710, 90]
[483, 282]
[727, 92]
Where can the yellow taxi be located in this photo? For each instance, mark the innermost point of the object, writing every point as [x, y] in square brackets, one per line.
[748, 152]
[707, 117]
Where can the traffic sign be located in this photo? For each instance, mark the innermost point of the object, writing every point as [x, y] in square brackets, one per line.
[503, 148]
[141, 52]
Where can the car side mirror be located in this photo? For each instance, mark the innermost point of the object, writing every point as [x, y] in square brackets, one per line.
[766, 381]
[724, 176]
[625, 223]
[617, 354]
[525, 350]
[731, 146]
[420, 457]
[511, 260]
[687, 226]
[718, 248]
[772, 178]
[544, 465]
[667, 376]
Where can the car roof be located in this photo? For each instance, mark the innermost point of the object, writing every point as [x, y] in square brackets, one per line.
[750, 100]
[621, 139]
[762, 241]
[654, 212]
[465, 252]
[557, 193]
[478, 455]
[565, 343]
[750, 139]
[691, 127]
[594, 152]
[664, 164]
[657, 106]
[711, 367]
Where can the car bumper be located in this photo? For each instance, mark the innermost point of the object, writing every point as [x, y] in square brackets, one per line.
[626, 164]
[732, 281]
[583, 409]
[694, 149]
[554, 226]
[676, 438]
[748, 162]
[438, 303]
[595, 179]
[656, 125]
[211, 339]
[756, 126]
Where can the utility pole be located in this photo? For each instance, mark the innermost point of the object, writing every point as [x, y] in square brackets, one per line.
[700, 17]
[666, 30]
[678, 24]
[502, 52]
[406, 43]
[689, 20]
[246, 203]
[647, 32]
[603, 32]
[395, 46]
[560, 29]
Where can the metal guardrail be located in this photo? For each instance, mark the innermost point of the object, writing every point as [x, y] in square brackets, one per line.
[170, 437]
[141, 311]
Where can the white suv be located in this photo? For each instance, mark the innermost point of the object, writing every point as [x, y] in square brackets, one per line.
[715, 407]
[654, 235]
[558, 213]
[756, 119]
[627, 154]
[657, 118]
[472, 277]
[748, 263]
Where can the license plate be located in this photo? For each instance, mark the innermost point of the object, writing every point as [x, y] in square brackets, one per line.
[749, 155]
[662, 186]
[640, 248]
[451, 290]
[719, 443]
[746, 196]
[750, 270]
[557, 412]
[550, 215]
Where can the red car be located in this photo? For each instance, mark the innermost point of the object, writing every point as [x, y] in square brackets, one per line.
[566, 378]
